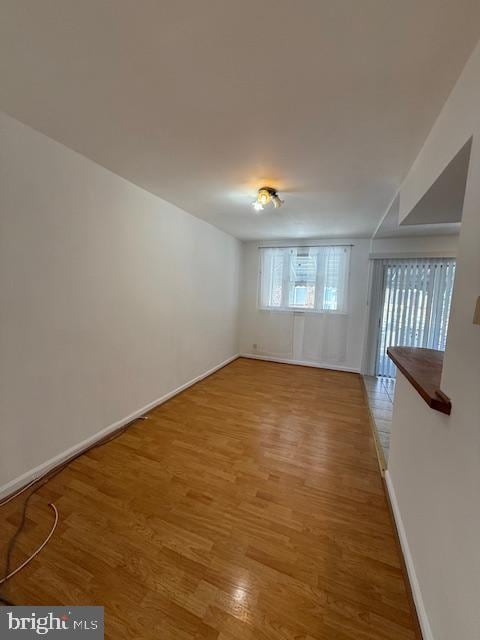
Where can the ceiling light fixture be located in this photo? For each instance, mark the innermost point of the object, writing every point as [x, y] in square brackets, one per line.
[277, 203]
[264, 197]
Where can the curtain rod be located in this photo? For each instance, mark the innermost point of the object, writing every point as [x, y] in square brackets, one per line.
[297, 246]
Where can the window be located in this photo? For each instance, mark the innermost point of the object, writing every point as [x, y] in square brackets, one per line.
[304, 278]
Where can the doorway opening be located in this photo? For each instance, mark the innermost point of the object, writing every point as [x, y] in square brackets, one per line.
[413, 306]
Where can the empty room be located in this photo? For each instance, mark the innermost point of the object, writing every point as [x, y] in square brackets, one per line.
[240, 319]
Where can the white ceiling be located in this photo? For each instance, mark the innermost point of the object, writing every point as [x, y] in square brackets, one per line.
[203, 102]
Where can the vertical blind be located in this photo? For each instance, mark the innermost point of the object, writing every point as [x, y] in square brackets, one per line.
[308, 278]
[415, 305]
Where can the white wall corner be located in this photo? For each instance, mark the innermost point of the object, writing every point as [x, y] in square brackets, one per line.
[300, 363]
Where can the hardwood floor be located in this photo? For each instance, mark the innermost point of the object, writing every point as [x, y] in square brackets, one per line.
[248, 507]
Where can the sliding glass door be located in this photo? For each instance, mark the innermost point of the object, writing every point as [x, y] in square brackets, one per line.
[413, 301]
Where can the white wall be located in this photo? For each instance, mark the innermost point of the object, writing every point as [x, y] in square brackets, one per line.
[434, 462]
[340, 337]
[422, 246]
[109, 298]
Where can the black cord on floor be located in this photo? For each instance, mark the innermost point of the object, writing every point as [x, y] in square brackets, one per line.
[21, 526]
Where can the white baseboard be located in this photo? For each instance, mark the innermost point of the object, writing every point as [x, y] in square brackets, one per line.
[42, 469]
[302, 363]
[417, 594]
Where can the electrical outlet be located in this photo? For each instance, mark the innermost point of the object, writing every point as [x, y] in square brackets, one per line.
[476, 313]
[254, 345]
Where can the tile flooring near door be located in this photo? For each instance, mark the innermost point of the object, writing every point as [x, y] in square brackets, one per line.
[248, 507]
[380, 392]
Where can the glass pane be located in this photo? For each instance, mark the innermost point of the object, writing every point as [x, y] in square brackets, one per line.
[330, 299]
[416, 307]
[303, 275]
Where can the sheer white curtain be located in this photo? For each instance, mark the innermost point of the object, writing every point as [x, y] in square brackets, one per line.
[413, 300]
[303, 303]
[324, 337]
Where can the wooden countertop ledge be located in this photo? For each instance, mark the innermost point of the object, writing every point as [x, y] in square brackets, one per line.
[423, 369]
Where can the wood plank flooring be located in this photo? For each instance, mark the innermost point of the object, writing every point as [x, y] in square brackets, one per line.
[248, 507]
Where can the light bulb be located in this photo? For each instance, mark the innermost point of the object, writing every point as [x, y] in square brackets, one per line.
[258, 206]
[263, 197]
